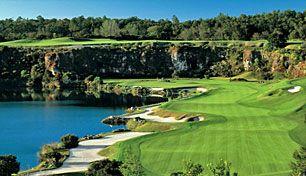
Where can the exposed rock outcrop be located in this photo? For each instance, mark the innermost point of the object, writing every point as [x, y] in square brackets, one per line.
[55, 67]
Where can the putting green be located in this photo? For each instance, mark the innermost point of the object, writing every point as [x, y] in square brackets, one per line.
[254, 126]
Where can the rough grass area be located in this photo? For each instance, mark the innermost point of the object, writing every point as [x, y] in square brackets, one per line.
[177, 115]
[255, 126]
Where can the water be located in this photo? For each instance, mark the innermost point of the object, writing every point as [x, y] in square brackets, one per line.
[26, 126]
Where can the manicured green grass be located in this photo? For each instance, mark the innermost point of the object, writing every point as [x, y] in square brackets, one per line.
[66, 41]
[255, 126]
[158, 83]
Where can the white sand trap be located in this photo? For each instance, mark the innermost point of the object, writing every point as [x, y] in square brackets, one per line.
[157, 89]
[87, 152]
[295, 89]
[201, 89]
[146, 115]
[153, 118]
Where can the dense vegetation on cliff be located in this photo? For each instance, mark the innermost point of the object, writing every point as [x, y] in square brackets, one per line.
[286, 24]
[76, 66]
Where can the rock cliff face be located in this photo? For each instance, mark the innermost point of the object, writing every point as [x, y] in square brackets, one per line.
[49, 66]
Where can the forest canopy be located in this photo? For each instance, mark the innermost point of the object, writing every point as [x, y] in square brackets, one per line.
[291, 24]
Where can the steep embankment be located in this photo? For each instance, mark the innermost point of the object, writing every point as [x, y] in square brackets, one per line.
[68, 66]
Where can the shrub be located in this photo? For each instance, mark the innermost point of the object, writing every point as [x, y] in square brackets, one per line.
[277, 38]
[104, 168]
[50, 154]
[190, 169]
[299, 165]
[221, 168]
[131, 166]
[70, 141]
[9, 165]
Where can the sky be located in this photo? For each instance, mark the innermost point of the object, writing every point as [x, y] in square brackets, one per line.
[152, 9]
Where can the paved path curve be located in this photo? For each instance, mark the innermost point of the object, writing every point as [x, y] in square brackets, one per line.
[87, 152]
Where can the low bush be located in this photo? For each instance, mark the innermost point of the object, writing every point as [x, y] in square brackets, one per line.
[131, 166]
[298, 166]
[9, 165]
[70, 141]
[52, 155]
[104, 168]
[190, 169]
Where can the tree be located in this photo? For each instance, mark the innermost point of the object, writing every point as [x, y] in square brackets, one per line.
[70, 141]
[190, 169]
[176, 26]
[277, 38]
[154, 32]
[187, 34]
[50, 155]
[132, 29]
[9, 165]
[204, 30]
[104, 168]
[131, 166]
[299, 165]
[110, 28]
[222, 27]
[222, 168]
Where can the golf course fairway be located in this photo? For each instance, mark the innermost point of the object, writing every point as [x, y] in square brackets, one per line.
[255, 126]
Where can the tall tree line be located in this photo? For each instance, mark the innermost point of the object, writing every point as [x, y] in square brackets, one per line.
[291, 24]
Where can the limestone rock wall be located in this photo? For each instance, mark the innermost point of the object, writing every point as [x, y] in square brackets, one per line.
[42, 66]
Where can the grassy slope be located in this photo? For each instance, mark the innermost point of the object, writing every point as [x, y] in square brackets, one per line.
[252, 125]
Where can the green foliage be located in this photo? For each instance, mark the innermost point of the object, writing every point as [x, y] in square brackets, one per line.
[190, 169]
[298, 166]
[50, 155]
[222, 68]
[24, 74]
[277, 38]
[9, 165]
[70, 141]
[104, 168]
[66, 77]
[131, 166]
[110, 28]
[222, 27]
[221, 168]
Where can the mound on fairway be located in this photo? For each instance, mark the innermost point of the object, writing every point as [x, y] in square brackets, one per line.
[255, 126]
